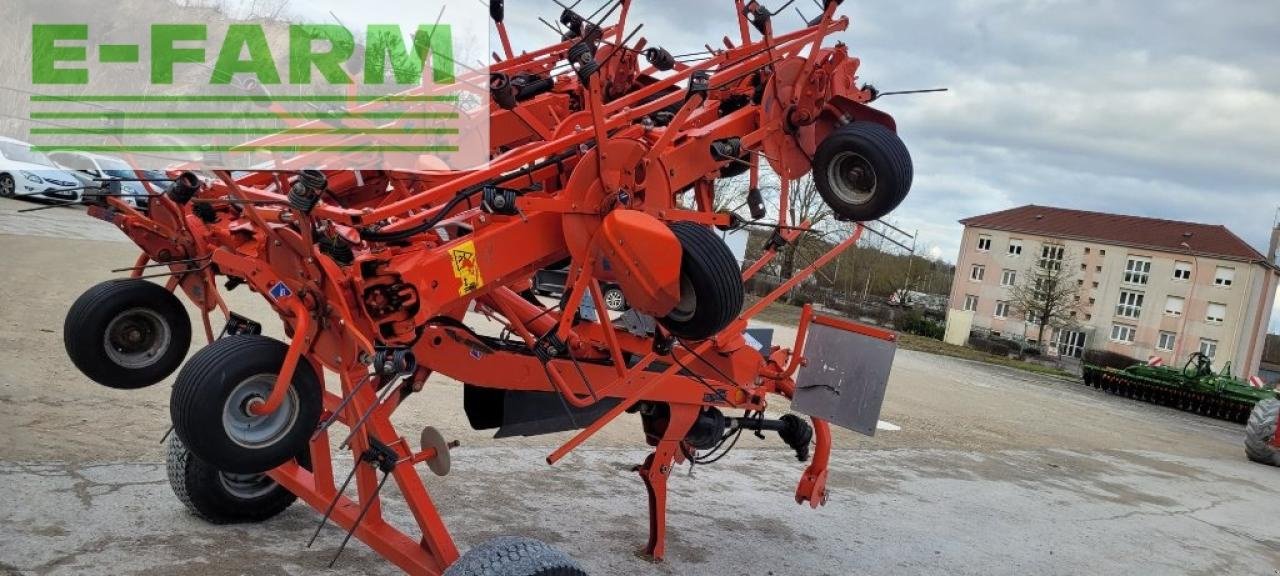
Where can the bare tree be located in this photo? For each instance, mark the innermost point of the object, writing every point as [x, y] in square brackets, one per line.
[1048, 293]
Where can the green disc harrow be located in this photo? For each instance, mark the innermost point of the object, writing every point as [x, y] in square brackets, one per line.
[1194, 388]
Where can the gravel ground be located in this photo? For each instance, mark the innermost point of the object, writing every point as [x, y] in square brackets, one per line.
[991, 470]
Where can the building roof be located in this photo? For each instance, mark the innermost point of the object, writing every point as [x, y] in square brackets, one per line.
[1151, 233]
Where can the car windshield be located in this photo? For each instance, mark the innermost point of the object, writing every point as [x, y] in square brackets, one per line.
[117, 169]
[23, 153]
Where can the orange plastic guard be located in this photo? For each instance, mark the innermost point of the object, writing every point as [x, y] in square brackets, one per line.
[845, 373]
[642, 255]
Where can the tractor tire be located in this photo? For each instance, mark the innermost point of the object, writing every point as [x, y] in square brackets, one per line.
[211, 398]
[1260, 431]
[221, 498]
[127, 334]
[514, 556]
[711, 293]
[863, 171]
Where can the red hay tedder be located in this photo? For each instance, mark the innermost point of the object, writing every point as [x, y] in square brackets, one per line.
[607, 166]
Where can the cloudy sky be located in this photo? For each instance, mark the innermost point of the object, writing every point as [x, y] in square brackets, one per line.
[1168, 109]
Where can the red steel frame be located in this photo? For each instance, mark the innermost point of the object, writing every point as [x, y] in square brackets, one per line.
[601, 151]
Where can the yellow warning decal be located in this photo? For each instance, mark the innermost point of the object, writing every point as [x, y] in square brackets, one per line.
[466, 268]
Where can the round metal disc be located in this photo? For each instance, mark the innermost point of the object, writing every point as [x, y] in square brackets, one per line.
[438, 464]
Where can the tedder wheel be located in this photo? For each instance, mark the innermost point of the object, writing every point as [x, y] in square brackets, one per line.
[127, 334]
[711, 292]
[863, 171]
[614, 300]
[211, 401]
[220, 497]
[514, 556]
[1260, 431]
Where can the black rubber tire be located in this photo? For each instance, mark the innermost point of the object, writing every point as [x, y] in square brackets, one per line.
[708, 267]
[738, 168]
[207, 382]
[84, 332]
[205, 490]
[1259, 432]
[887, 157]
[8, 183]
[514, 556]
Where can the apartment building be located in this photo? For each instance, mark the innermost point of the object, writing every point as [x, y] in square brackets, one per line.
[1144, 287]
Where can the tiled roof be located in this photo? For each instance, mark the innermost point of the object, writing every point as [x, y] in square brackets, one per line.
[1152, 233]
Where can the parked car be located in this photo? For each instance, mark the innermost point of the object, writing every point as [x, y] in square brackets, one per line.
[28, 173]
[551, 281]
[91, 168]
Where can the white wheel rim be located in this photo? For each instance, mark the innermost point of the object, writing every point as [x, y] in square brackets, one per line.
[852, 177]
[254, 431]
[137, 338]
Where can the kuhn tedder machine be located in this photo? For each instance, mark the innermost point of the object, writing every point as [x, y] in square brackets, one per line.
[608, 165]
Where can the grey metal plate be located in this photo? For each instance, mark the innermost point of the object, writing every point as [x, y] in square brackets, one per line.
[845, 378]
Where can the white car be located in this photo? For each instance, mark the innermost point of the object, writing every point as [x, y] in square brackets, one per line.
[27, 173]
[93, 168]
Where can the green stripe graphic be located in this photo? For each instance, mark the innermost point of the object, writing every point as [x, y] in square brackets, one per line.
[282, 149]
[244, 115]
[244, 98]
[242, 131]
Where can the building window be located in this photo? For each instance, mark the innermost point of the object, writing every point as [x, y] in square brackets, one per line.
[1130, 305]
[970, 303]
[984, 243]
[1224, 276]
[1216, 314]
[978, 273]
[1182, 271]
[1015, 247]
[1097, 268]
[1174, 305]
[1166, 341]
[1123, 333]
[1095, 284]
[1209, 347]
[1002, 309]
[1137, 270]
[1051, 256]
[1008, 277]
[1093, 301]
[1102, 252]
[1086, 249]
[1088, 317]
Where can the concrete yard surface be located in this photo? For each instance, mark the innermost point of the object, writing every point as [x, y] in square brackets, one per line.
[976, 470]
[905, 511]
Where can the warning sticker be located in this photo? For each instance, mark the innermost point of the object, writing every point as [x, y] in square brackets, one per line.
[466, 268]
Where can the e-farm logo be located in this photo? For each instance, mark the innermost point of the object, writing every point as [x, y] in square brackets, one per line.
[237, 94]
[245, 50]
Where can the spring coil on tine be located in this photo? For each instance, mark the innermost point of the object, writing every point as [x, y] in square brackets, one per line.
[305, 193]
[660, 58]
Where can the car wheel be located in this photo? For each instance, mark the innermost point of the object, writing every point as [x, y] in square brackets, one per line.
[614, 300]
[8, 188]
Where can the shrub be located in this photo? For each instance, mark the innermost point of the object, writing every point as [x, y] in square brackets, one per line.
[1107, 359]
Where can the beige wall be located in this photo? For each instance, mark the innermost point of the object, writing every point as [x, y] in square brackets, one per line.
[1248, 300]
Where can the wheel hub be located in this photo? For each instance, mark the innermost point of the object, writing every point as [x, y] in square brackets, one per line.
[251, 430]
[137, 338]
[853, 177]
